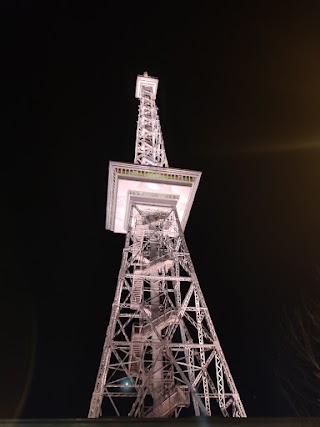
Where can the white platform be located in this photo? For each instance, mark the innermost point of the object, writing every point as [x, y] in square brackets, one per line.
[157, 186]
[147, 81]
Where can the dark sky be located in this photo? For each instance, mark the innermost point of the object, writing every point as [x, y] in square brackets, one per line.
[239, 100]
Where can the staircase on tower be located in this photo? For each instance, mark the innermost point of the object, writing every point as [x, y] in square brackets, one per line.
[161, 356]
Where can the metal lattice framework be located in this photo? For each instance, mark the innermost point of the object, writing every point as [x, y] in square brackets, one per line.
[161, 355]
[149, 141]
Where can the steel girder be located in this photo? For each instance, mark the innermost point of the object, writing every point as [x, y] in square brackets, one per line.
[161, 355]
[149, 141]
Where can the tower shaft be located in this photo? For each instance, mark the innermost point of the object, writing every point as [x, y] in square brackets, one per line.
[149, 141]
[161, 355]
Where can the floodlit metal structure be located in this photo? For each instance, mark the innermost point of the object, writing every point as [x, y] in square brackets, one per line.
[161, 356]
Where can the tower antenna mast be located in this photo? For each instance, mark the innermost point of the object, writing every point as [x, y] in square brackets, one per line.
[161, 356]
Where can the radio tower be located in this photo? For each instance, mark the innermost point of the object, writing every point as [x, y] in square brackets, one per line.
[161, 355]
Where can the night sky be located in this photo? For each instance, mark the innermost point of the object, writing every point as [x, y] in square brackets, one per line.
[239, 100]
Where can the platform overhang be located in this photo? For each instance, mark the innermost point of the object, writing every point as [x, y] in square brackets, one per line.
[156, 186]
[147, 81]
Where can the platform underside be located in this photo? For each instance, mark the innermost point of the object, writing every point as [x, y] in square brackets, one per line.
[152, 185]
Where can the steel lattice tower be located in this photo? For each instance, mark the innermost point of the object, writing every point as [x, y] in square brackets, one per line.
[160, 340]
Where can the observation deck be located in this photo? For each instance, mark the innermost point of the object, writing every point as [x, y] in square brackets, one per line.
[148, 185]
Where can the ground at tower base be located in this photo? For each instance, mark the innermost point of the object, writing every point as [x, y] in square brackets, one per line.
[168, 422]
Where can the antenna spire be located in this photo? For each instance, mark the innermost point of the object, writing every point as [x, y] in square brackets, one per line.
[149, 148]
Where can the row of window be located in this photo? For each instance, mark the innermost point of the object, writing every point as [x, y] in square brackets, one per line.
[149, 174]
